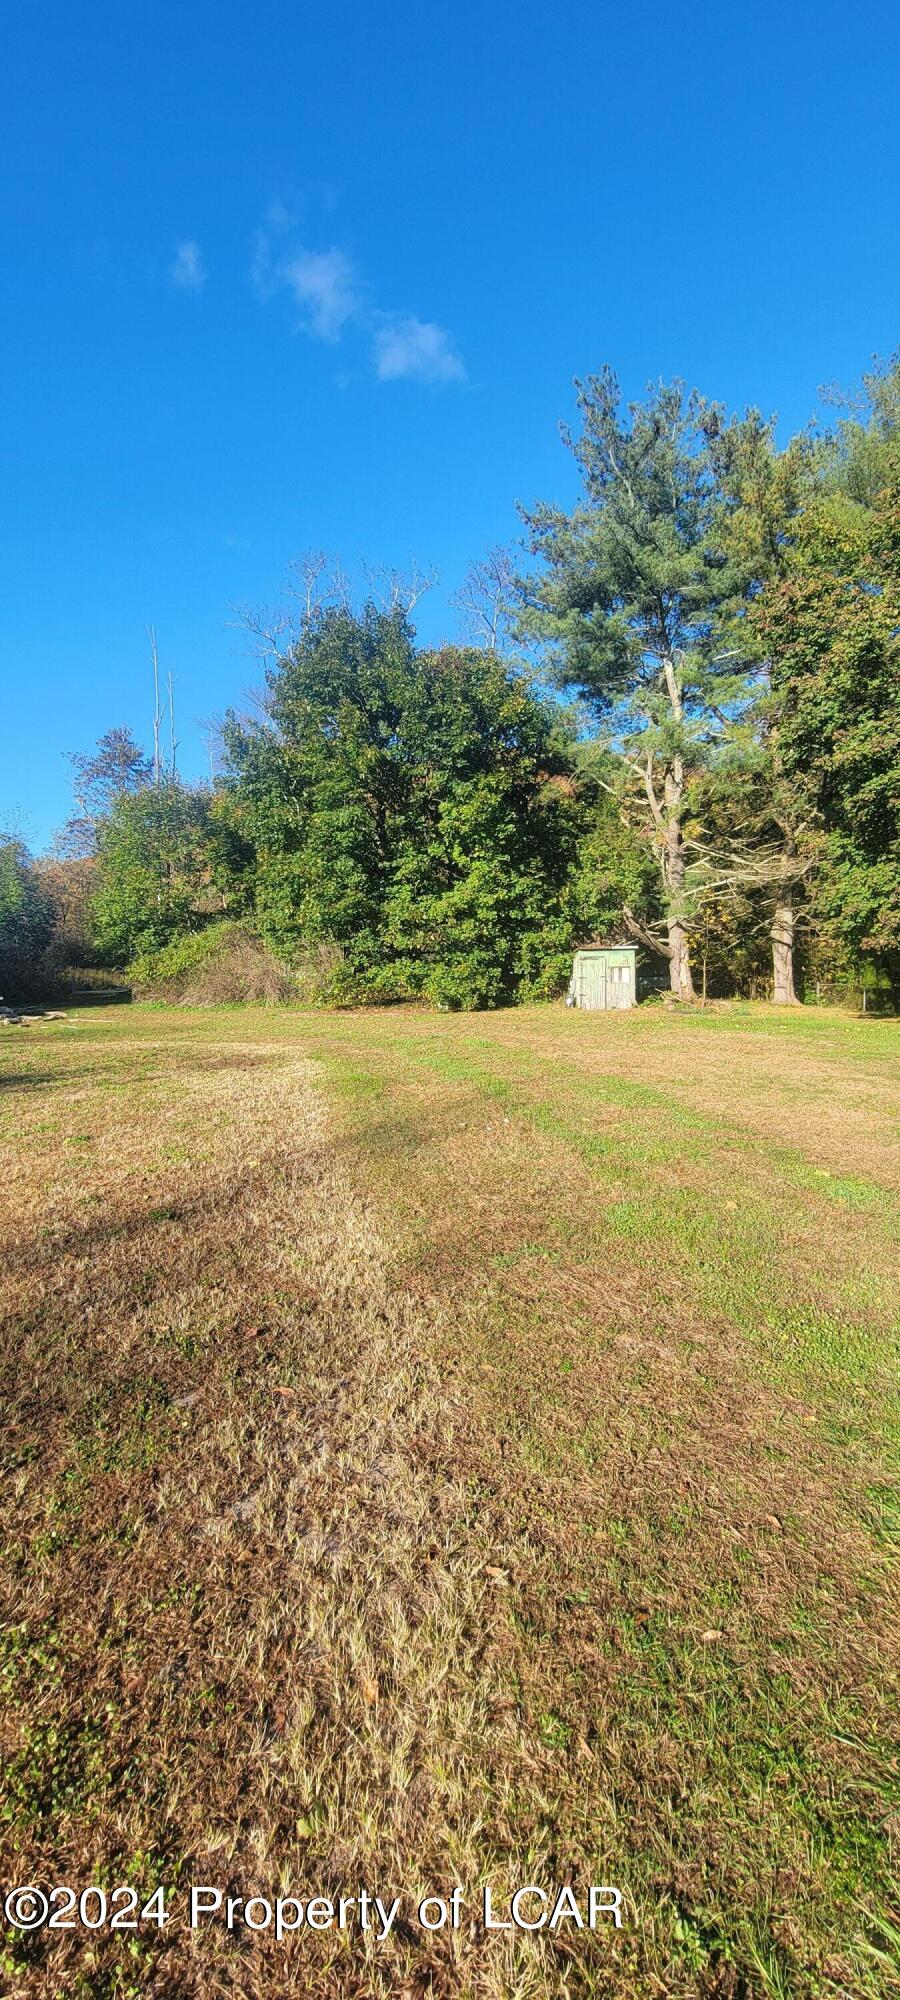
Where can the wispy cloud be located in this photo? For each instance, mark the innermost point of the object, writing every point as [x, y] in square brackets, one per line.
[329, 291]
[324, 285]
[274, 245]
[415, 350]
[187, 270]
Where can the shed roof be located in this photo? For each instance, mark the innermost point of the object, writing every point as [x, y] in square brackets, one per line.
[581, 949]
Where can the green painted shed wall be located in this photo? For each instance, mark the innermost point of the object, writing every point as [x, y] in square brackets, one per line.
[604, 979]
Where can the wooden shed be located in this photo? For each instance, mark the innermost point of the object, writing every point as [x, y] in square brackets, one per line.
[604, 976]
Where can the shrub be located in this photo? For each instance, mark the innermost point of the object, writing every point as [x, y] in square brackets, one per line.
[226, 964]
[26, 922]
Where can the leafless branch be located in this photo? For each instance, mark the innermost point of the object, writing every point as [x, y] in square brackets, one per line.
[157, 711]
[173, 740]
[397, 589]
[305, 573]
[210, 727]
[485, 599]
[272, 630]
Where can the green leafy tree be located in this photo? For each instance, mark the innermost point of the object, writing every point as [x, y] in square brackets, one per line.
[319, 786]
[832, 628]
[474, 912]
[860, 455]
[26, 920]
[153, 871]
[409, 807]
[804, 532]
[615, 868]
[755, 846]
[627, 601]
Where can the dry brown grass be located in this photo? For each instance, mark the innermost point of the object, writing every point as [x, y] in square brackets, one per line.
[224, 967]
[380, 1518]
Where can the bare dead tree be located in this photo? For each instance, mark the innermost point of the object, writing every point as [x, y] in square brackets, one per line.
[157, 711]
[340, 585]
[305, 573]
[211, 728]
[315, 582]
[173, 740]
[271, 629]
[775, 870]
[485, 599]
[399, 590]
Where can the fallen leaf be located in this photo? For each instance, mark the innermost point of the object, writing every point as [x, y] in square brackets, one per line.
[773, 1521]
[490, 1570]
[277, 1391]
[370, 1693]
[706, 1638]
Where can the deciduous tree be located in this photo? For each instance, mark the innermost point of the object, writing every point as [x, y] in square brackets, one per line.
[153, 870]
[407, 806]
[832, 628]
[100, 777]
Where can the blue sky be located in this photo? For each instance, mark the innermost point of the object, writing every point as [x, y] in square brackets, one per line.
[285, 275]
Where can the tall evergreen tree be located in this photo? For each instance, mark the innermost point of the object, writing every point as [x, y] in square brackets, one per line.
[627, 598]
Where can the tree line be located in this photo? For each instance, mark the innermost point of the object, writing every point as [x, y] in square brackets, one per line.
[674, 718]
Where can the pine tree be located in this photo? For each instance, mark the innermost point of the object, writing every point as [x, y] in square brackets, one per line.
[627, 599]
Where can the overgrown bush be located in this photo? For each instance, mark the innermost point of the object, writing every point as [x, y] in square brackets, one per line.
[26, 922]
[226, 964]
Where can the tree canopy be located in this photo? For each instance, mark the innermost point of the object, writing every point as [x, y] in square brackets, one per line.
[406, 806]
[629, 598]
[677, 718]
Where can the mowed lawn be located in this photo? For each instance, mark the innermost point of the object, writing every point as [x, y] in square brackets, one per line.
[453, 1450]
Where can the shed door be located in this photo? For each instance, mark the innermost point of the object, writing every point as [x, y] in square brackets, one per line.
[618, 986]
[595, 982]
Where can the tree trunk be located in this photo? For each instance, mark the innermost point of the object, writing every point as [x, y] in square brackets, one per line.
[782, 935]
[679, 954]
[680, 978]
[669, 841]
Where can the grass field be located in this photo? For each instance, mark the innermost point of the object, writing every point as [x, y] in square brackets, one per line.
[453, 1450]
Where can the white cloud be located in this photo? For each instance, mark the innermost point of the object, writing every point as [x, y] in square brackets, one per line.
[187, 269]
[331, 296]
[324, 286]
[415, 350]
